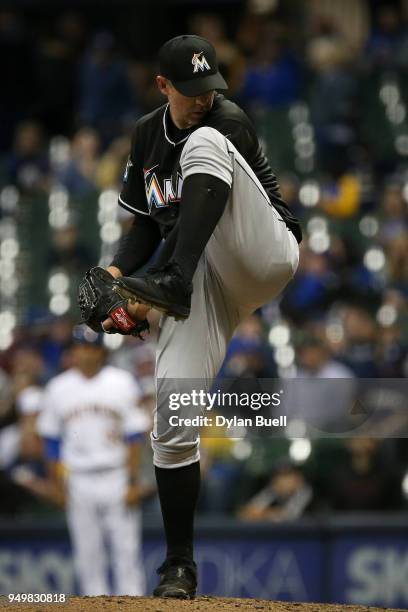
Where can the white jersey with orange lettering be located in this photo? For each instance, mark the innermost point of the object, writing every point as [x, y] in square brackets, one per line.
[93, 420]
[92, 417]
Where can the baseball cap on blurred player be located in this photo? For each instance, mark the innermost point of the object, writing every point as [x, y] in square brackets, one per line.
[190, 63]
[82, 334]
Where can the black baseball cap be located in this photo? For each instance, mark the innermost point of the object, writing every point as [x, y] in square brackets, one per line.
[190, 63]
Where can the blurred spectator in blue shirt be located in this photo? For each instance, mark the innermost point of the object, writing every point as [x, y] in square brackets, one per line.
[310, 292]
[249, 354]
[55, 343]
[385, 38]
[78, 173]
[324, 390]
[360, 334]
[315, 361]
[106, 98]
[39, 349]
[333, 101]
[394, 213]
[27, 165]
[273, 76]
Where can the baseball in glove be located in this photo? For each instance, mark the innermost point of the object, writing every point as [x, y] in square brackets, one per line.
[97, 302]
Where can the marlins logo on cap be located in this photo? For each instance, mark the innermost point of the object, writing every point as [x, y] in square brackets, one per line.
[199, 62]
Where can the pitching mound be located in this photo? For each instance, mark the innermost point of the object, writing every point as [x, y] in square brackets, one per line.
[201, 604]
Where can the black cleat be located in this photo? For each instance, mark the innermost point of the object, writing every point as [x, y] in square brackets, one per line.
[177, 580]
[164, 289]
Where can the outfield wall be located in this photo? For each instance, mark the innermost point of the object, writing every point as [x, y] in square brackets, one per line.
[343, 559]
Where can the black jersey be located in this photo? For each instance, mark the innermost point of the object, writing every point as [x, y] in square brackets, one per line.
[153, 180]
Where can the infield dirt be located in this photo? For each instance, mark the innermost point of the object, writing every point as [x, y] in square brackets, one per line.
[200, 604]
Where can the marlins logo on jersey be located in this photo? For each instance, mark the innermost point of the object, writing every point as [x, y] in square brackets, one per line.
[161, 195]
[199, 62]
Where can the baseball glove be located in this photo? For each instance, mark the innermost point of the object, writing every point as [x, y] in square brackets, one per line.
[97, 302]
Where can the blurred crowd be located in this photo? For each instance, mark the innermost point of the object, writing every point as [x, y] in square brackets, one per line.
[326, 84]
[254, 478]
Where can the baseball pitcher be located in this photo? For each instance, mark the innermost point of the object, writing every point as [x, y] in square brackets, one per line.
[196, 181]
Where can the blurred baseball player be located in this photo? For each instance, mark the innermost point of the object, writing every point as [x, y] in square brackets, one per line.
[197, 178]
[93, 428]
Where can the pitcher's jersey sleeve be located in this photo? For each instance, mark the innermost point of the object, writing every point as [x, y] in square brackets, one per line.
[206, 152]
[133, 194]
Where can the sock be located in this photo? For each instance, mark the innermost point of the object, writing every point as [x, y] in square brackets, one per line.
[202, 203]
[178, 492]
